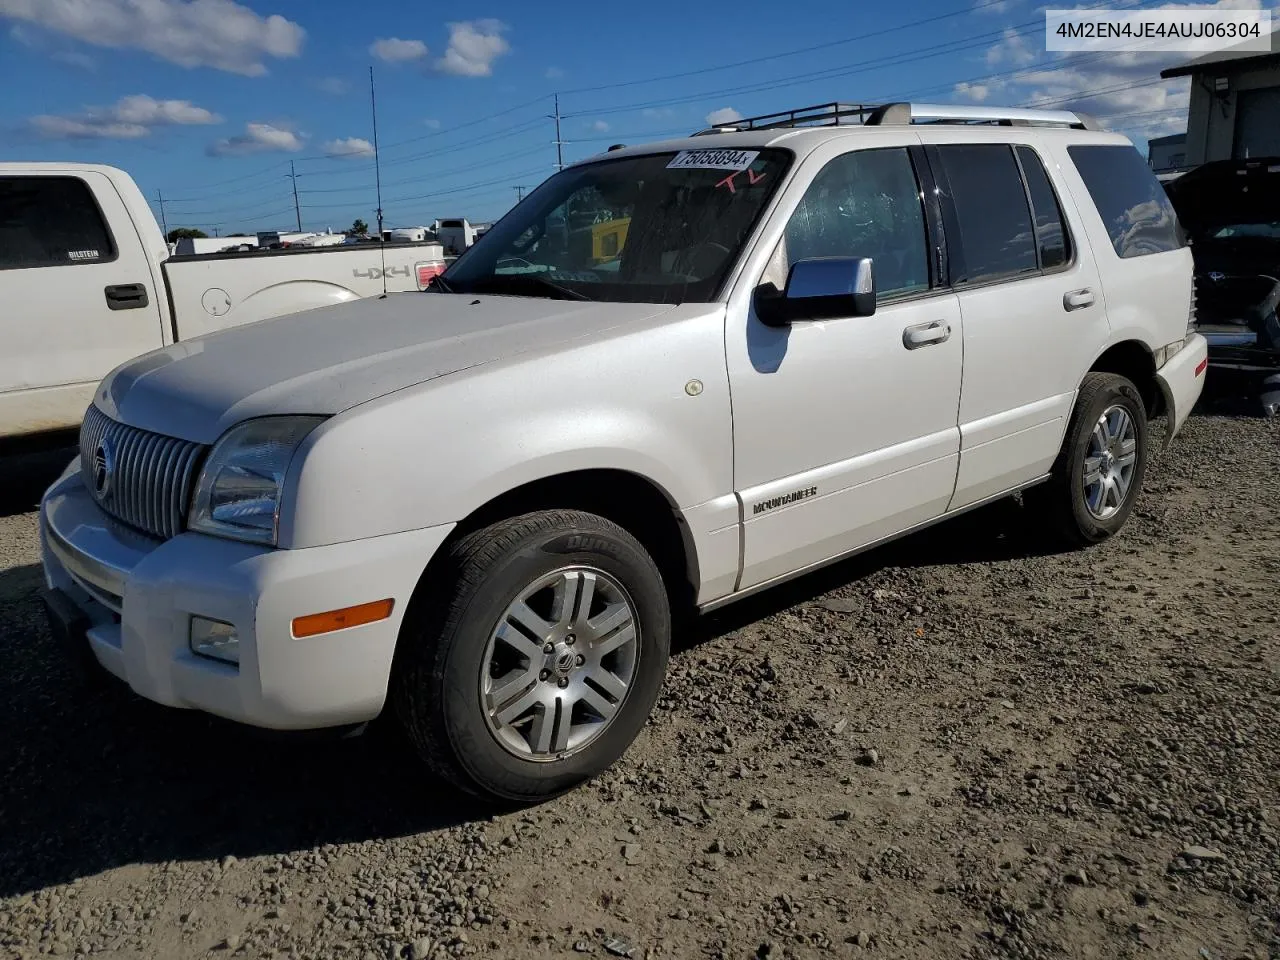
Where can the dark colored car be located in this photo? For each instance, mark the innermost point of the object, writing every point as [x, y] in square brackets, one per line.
[1231, 211]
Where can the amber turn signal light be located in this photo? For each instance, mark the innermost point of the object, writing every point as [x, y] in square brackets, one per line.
[317, 623]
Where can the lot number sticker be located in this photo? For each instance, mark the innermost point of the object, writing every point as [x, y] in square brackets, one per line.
[713, 160]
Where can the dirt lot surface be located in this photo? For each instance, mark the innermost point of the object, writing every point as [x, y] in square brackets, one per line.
[956, 746]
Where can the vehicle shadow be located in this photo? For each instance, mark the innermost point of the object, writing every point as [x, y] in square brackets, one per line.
[25, 474]
[96, 778]
[997, 532]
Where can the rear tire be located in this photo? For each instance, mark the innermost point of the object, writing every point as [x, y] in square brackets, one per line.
[534, 661]
[1099, 472]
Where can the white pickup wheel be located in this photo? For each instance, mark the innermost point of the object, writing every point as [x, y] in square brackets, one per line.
[534, 662]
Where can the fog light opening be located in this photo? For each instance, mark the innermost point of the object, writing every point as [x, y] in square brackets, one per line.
[215, 640]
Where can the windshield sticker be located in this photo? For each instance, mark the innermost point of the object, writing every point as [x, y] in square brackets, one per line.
[752, 179]
[713, 160]
[83, 255]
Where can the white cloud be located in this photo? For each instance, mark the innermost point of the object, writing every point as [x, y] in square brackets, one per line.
[334, 86]
[130, 118]
[553, 73]
[993, 6]
[473, 46]
[221, 34]
[432, 123]
[395, 50]
[257, 138]
[148, 111]
[1012, 49]
[724, 115]
[600, 126]
[69, 128]
[977, 92]
[657, 113]
[352, 147]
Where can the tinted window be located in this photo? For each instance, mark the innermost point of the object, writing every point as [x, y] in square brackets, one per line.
[50, 221]
[1052, 237]
[1129, 198]
[863, 204]
[991, 207]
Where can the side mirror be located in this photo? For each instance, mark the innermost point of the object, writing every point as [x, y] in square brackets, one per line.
[820, 289]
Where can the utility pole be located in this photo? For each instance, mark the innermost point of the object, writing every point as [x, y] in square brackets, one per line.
[163, 225]
[519, 189]
[377, 165]
[296, 209]
[558, 142]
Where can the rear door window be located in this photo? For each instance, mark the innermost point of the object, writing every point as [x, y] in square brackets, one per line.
[1053, 241]
[997, 238]
[1134, 206]
[50, 222]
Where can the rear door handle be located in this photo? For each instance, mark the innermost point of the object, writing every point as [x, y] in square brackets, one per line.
[923, 334]
[127, 296]
[1077, 299]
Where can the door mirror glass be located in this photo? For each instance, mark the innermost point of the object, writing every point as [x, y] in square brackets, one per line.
[820, 289]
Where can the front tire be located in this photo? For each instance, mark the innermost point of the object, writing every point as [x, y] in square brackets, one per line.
[534, 662]
[1099, 471]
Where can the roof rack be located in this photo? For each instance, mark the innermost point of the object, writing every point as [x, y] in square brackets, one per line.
[893, 114]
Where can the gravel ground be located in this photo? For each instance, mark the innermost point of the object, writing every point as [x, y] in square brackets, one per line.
[957, 746]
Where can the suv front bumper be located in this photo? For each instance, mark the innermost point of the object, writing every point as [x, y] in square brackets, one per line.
[135, 597]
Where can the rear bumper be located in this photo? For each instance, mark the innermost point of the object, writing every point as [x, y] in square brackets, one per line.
[129, 600]
[1181, 381]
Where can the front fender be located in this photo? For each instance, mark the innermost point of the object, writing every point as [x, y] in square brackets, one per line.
[436, 453]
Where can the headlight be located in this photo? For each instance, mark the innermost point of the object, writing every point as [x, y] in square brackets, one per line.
[238, 493]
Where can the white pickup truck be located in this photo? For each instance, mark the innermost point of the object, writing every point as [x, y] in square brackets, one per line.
[89, 282]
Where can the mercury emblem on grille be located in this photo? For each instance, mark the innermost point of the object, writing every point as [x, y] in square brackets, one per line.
[104, 466]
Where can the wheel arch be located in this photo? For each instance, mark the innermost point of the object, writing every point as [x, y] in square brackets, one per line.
[1133, 360]
[637, 503]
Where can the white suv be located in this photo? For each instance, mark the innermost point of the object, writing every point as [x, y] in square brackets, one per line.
[672, 376]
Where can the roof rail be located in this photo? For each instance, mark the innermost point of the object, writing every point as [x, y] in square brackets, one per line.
[820, 115]
[837, 114]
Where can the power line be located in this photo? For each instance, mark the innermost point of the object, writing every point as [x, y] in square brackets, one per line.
[963, 11]
[863, 66]
[434, 176]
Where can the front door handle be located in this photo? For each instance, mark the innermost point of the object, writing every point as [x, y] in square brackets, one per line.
[1077, 299]
[126, 296]
[923, 334]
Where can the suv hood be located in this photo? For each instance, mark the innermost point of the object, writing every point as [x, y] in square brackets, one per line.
[330, 359]
[1227, 191]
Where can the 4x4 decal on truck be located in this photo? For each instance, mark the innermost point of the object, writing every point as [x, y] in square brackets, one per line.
[775, 502]
[377, 273]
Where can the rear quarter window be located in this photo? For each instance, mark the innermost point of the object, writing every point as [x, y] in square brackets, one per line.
[1133, 205]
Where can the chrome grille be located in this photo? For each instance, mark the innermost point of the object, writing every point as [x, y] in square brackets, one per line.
[141, 478]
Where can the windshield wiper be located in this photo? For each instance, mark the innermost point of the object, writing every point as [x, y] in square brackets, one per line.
[441, 284]
[524, 284]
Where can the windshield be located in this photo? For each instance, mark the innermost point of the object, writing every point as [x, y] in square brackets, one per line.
[1269, 231]
[660, 228]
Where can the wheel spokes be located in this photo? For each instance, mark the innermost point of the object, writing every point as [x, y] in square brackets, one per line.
[555, 674]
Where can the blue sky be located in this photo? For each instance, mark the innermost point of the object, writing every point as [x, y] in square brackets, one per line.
[208, 101]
